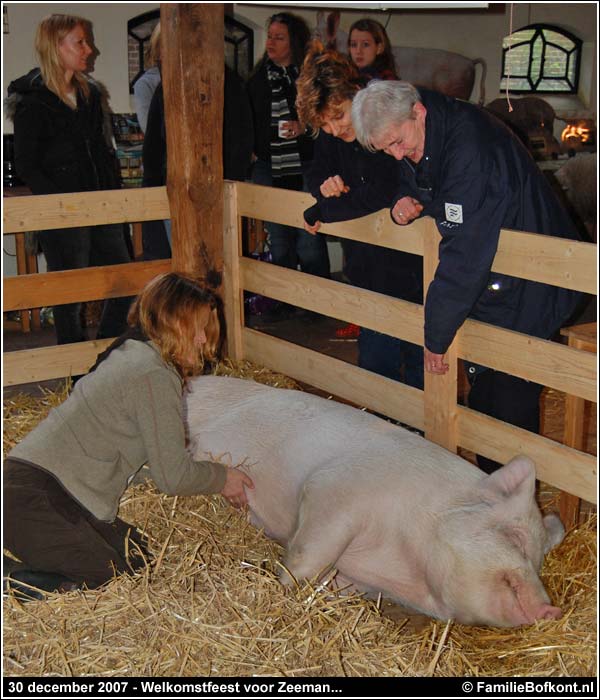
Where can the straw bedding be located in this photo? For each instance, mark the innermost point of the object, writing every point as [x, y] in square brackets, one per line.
[210, 604]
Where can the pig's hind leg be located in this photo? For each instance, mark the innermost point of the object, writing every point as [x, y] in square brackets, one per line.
[322, 533]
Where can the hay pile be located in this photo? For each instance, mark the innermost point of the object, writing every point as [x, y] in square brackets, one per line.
[210, 605]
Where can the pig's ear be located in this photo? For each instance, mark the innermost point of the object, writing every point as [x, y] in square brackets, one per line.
[517, 477]
[555, 531]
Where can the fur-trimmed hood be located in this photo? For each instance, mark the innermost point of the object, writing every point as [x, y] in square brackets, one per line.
[27, 84]
[33, 84]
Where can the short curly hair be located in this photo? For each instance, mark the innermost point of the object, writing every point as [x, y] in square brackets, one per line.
[327, 79]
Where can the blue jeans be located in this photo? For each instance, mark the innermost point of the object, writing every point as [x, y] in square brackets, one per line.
[385, 355]
[77, 248]
[291, 246]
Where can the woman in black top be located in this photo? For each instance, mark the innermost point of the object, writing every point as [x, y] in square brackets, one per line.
[60, 146]
[349, 182]
[281, 149]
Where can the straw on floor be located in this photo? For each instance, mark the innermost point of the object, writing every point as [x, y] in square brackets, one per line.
[210, 604]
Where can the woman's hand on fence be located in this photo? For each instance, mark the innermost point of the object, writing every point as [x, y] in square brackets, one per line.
[434, 363]
[312, 229]
[334, 187]
[406, 210]
[233, 490]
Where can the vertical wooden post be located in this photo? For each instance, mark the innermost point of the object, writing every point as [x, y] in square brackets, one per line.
[582, 337]
[232, 291]
[440, 389]
[137, 240]
[192, 57]
[22, 270]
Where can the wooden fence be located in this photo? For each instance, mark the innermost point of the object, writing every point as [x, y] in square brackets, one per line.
[435, 410]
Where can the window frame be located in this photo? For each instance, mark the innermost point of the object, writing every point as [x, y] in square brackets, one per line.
[533, 90]
[230, 25]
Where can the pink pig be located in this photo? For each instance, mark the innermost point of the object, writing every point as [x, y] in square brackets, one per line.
[392, 512]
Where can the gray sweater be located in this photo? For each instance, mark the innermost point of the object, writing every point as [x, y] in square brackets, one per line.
[127, 413]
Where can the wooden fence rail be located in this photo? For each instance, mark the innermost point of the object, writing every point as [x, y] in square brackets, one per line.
[541, 258]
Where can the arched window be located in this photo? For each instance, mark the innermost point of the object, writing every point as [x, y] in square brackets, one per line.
[239, 44]
[541, 58]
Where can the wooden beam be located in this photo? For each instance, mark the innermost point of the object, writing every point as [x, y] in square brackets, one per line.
[87, 284]
[558, 465]
[548, 363]
[543, 361]
[54, 362]
[192, 66]
[233, 293]
[440, 389]
[287, 207]
[548, 259]
[51, 211]
[475, 431]
[532, 256]
[396, 317]
[364, 388]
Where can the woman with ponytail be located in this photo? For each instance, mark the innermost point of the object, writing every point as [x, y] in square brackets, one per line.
[63, 482]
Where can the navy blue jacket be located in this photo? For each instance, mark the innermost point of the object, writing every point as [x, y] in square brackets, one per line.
[475, 178]
[372, 179]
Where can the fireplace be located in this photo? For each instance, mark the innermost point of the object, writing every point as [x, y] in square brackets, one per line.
[579, 135]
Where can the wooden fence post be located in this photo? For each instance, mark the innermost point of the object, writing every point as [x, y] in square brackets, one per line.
[232, 291]
[192, 66]
[440, 389]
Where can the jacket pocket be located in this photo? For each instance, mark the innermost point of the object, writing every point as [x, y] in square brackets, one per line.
[501, 295]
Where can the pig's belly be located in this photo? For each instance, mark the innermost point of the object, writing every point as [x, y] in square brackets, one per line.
[277, 477]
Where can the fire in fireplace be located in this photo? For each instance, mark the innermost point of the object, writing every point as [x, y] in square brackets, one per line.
[579, 135]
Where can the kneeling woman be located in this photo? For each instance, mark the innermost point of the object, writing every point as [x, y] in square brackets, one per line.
[64, 481]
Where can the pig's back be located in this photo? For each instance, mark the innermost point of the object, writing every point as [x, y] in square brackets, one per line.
[279, 436]
[283, 436]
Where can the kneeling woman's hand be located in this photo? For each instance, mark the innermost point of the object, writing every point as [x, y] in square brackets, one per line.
[233, 490]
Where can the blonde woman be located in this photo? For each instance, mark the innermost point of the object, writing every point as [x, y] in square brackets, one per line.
[60, 147]
[63, 482]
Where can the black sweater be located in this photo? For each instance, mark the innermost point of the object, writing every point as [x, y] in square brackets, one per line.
[237, 134]
[372, 179]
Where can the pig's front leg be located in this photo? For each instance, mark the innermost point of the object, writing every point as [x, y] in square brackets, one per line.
[323, 530]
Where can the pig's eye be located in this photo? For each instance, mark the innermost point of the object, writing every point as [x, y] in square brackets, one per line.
[518, 540]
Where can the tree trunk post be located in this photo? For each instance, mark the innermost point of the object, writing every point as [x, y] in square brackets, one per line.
[192, 67]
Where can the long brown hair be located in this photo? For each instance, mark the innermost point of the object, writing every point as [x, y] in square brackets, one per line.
[327, 80]
[50, 32]
[384, 62]
[298, 31]
[171, 310]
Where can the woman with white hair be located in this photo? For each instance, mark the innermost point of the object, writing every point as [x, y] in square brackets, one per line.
[460, 165]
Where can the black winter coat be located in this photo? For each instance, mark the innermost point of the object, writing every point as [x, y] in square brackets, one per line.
[237, 134]
[259, 92]
[372, 179]
[59, 149]
[475, 178]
